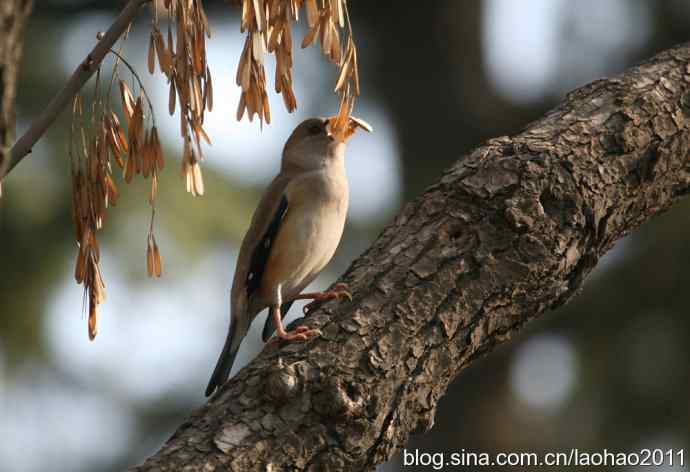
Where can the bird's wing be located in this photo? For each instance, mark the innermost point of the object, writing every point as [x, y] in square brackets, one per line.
[257, 242]
[262, 251]
[257, 263]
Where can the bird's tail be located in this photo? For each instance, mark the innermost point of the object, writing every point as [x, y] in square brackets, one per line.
[227, 357]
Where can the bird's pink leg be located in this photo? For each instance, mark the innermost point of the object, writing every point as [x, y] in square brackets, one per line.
[338, 291]
[301, 333]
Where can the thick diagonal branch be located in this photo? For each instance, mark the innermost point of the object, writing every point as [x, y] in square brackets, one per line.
[508, 232]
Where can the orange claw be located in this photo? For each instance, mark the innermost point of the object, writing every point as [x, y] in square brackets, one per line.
[337, 292]
[299, 334]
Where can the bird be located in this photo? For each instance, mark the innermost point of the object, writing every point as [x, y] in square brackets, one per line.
[293, 234]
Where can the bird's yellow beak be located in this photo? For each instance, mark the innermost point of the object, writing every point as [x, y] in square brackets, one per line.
[341, 130]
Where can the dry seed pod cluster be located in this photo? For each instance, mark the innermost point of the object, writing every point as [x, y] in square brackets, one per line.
[182, 58]
[97, 141]
[268, 27]
[141, 145]
[86, 222]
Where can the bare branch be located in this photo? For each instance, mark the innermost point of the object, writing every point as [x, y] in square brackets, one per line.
[511, 230]
[64, 97]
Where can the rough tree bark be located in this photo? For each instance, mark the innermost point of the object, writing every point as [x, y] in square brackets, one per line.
[13, 17]
[509, 231]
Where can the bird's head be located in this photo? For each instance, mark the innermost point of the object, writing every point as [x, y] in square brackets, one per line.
[316, 140]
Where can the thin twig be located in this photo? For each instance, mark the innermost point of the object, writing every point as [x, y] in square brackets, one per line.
[116, 63]
[82, 73]
[138, 79]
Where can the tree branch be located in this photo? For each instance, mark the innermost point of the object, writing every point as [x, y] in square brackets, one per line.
[509, 231]
[82, 73]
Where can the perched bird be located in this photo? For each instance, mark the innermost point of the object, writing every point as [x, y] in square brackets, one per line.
[293, 234]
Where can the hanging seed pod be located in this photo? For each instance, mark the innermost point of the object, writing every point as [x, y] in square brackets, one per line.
[172, 96]
[127, 102]
[154, 188]
[208, 91]
[149, 256]
[151, 58]
[157, 261]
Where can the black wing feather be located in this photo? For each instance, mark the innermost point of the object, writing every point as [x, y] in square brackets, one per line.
[257, 264]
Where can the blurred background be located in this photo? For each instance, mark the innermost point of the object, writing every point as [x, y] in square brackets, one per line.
[610, 370]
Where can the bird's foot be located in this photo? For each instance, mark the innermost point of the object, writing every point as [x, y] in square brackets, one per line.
[339, 291]
[299, 334]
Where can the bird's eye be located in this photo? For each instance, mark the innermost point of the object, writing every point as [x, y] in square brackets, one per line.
[314, 129]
